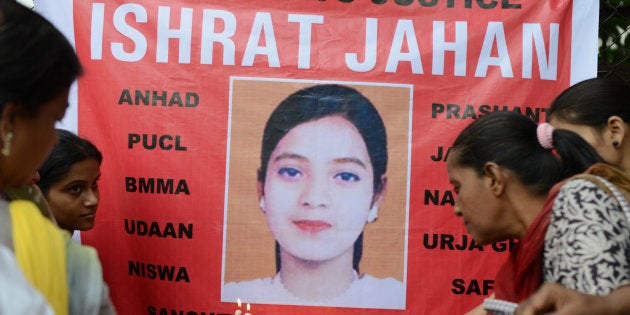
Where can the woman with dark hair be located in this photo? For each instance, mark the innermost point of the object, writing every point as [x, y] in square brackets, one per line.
[37, 66]
[598, 110]
[321, 179]
[69, 181]
[506, 171]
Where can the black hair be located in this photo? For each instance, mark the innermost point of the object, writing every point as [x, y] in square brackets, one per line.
[591, 102]
[510, 140]
[36, 61]
[319, 101]
[325, 100]
[70, 150]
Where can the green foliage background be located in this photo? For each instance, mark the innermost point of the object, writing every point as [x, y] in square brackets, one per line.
[614, 35]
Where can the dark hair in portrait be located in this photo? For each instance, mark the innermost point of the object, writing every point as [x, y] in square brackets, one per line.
[319, 101]
[70, 150]
[36, 60]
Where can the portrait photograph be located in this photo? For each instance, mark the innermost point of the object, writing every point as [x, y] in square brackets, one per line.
[317, 183]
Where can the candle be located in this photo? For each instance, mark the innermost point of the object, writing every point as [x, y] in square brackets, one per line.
[238, 310]
[248, 313]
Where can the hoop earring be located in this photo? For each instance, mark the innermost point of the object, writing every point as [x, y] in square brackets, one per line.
[6, 147]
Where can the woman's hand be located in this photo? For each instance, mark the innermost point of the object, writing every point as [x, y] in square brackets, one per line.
[479, 310]
[555, 299]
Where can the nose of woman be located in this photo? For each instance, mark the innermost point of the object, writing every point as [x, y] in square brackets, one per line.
[315, 192]
[457, 210]
[91, 198]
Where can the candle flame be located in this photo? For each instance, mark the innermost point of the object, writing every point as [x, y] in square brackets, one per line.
[238, 302]
[247, 307]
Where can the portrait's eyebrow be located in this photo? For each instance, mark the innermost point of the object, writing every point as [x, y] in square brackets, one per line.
[284, 156]
[351, 160]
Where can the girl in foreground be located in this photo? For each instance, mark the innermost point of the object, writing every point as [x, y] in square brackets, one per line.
[37, 66]
[41, 270]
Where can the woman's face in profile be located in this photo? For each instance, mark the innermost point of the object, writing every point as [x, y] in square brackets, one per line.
[476, 204]
[33, 139]
[319, 189]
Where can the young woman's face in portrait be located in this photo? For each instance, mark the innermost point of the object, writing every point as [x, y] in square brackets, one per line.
[318, 189]
[74, 199]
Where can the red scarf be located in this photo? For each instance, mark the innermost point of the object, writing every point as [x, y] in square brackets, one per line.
[522, 273]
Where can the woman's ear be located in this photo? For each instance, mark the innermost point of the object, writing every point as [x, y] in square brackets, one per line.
[7, 119]
[379, 196]
[495, 178]
[261, 193]
[616, 130]
[6, 127]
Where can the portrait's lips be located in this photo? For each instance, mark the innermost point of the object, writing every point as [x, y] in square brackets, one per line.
[312, 226]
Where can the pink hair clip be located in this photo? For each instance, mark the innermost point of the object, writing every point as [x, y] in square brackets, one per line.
[545, 135]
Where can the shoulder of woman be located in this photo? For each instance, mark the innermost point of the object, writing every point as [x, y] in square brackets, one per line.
[27, 219]
[381, 282]
[573, 194]
[584, 181]
[17, 295]
[249, 291]
[250, 284]
[579, 196]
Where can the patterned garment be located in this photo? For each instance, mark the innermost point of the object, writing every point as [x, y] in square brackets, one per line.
[587, 245]
[499, 307]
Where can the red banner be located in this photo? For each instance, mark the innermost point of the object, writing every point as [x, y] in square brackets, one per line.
[177, 94]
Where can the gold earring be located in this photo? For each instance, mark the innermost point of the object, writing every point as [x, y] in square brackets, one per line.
[6, 147]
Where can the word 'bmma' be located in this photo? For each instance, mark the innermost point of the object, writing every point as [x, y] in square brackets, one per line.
[156, 186]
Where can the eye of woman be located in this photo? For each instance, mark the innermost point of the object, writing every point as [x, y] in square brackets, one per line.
[456, 189]
[348, 177]
[289, 172]
[74, 189]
